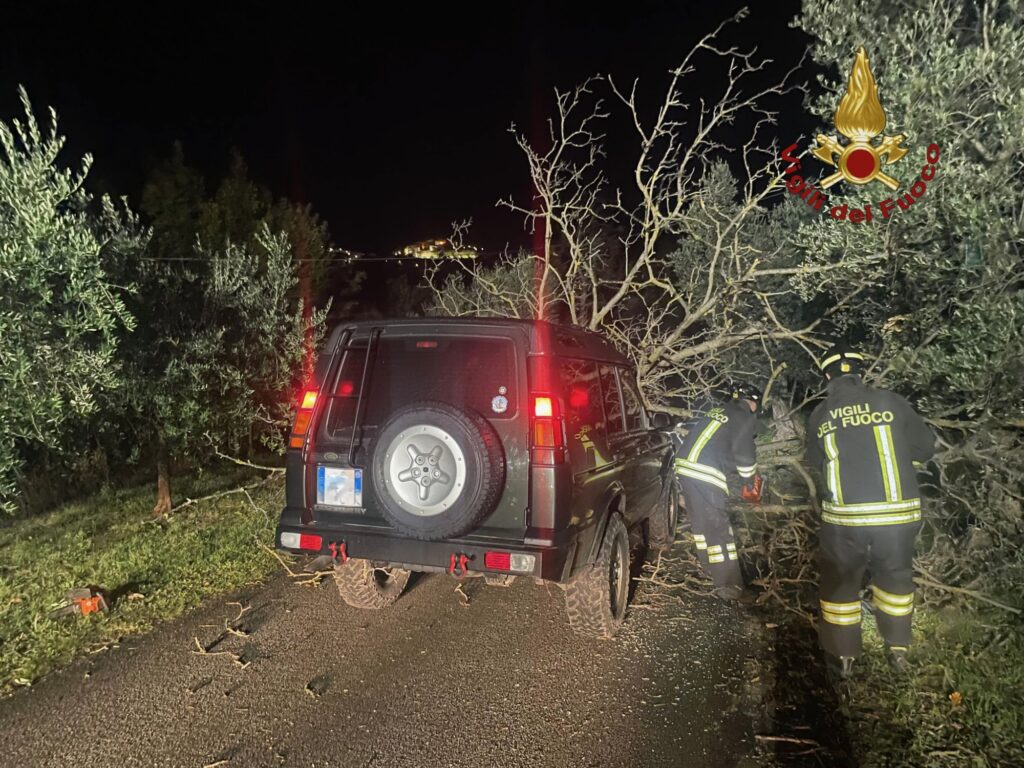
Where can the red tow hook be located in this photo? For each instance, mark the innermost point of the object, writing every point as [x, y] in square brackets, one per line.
[338, 551]
[457, 565]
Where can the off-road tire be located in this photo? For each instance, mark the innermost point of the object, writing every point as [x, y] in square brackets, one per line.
[484, 471]
[594, 611]
[363, 586]
[661, 526]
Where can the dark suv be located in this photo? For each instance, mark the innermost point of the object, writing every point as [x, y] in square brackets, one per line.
[477, 447]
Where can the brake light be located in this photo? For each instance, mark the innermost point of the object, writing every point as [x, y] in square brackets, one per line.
[498, 561]
[426, 345]
[548, 442]
[303, 416]
[346, 389]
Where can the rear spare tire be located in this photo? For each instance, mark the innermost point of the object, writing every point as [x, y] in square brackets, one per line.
[437, 471]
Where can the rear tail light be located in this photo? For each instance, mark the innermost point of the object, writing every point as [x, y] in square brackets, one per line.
[499, 561]
[303, 416]
[509, 561]
[548, 440]
[302, 541]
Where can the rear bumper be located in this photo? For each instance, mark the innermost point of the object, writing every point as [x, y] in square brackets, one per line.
[553, 563]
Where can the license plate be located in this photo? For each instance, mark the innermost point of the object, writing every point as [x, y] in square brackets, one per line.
[338, 487]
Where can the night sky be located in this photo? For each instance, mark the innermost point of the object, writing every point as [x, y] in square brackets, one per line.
[391, 119]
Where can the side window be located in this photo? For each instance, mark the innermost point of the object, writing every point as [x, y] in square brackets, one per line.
[582, 392]
[584, 415]
[634, 407]
[612, 402]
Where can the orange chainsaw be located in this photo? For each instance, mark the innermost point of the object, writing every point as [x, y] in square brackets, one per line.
[753, 492]
[82, 602]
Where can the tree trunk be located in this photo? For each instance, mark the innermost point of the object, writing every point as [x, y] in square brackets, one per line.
[163, 486]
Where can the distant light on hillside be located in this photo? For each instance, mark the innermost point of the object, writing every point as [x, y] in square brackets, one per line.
[437, 249]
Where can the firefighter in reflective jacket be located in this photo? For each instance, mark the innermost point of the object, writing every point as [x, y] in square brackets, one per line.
[720, 440]
[866, 442]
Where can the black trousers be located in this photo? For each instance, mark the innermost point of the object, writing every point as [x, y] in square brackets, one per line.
[712, 533]
[883, 552]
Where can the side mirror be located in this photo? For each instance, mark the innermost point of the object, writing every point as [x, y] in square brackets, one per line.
[661, 420]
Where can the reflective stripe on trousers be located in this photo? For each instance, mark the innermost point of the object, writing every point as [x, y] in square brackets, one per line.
[847, 554]
[712, 534]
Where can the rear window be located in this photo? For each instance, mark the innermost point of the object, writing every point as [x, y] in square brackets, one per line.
[472, 373]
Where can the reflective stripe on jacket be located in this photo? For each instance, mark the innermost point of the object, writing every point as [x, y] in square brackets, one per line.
[719, 441]
[866, 442]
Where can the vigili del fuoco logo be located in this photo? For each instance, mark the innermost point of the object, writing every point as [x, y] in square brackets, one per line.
[863, 158]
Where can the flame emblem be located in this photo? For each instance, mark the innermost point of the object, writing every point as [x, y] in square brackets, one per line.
[860, 118]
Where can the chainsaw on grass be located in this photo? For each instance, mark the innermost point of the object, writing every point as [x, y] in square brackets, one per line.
[82, 602]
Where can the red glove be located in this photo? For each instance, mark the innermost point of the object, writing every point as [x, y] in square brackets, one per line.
[753, 491]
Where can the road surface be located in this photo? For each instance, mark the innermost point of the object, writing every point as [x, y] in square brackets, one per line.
[482, 676]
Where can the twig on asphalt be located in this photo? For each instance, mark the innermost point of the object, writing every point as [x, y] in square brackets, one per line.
[657, 567]
[786, 739]
[230, 627]
[313, 578]
[235, 657]
[673, 585]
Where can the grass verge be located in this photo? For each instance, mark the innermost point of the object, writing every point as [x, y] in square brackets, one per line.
[153, 570]
[962, 704]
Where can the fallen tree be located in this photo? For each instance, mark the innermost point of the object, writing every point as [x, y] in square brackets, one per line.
[694, 272]
[684, 266]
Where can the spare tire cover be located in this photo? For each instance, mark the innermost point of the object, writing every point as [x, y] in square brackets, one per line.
[437, 471]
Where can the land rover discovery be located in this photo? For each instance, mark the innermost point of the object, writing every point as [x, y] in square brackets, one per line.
[500, 448]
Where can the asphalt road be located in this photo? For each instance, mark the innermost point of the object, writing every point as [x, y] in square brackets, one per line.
[492, 679]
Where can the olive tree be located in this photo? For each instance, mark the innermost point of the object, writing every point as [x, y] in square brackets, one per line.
[62, 314]
[944, 309]
[940, 312]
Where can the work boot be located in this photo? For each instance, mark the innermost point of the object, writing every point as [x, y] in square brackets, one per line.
[898, 660]
[839, 668]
